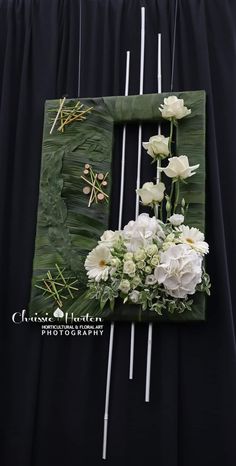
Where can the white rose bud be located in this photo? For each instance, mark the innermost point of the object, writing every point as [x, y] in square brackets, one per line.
[176, 219]
[115, 262]
[136, 282]
[151, 193]
[155, 261]
[128, 256]
[150, 280]
[129, 268]
[166, 245]
[139, 255]
[179, 167]
[134, 296]
[124, 286]
[174, 108]
[141, 265]
[157, 146]
[170, 237]
[109, 238]
[151, 250]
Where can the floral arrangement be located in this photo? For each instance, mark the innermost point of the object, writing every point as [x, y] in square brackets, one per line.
[155, 261]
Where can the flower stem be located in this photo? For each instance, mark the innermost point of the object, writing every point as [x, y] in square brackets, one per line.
[171, 191]
[170, 199]
[171, 135]
[161, 211]
[177, 183]
[156, 210]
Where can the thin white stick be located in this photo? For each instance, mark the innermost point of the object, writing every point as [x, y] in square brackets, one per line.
[142, 56]
[80, 48]
[111, 340]
[108, 386]
[123, 146]
[159, 74]
[57, 115]
[131, 357]
[142, 50]
[149, 342]
[148, 368]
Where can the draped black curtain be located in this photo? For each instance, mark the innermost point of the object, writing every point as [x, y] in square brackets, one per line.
[52, 389]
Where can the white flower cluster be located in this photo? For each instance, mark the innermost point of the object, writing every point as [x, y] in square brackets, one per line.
[148, 260]
[154, 262]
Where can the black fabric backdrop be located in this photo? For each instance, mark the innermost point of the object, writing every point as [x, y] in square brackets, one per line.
[52, 389]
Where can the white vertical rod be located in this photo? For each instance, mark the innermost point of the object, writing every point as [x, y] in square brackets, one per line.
[150, 327]
[142, 56]
[142, 49]
[108, 386]
[80, 48]
[123, 145]
[131, 357]
[112, 327]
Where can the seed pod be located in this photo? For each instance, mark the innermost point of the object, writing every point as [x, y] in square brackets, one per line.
[100, 176]
[86, 190]
[101, 197]
[104, 183]
[87, 166]
[86, 172]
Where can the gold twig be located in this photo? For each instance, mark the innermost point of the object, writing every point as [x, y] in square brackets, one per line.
[57, 115]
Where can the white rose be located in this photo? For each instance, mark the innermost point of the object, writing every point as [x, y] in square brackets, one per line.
[170, 238]
[115, 262]
[148, 270]
[150, 280]
[129, 268]
[155, 261]
[179, 167]
[157, 145]
[152, 250]
[134, 296]
[124, 286]
[151, 193]
[139, 255]
[166, 245]
[174, 108]
[141, 265]
[180, 270]
[136, 281]
[109, 238]
[128, 256]
[141, 233]
[176, 219]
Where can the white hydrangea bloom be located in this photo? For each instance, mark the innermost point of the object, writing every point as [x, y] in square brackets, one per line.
[180, 270]
[141, 232]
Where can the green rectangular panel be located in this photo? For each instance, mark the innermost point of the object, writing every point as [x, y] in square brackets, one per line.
[67, 229]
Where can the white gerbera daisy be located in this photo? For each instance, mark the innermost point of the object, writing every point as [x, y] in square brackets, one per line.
[97, 263]
[194, 238]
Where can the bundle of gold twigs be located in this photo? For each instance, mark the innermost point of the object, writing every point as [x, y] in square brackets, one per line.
[67, 114]
[58, 288]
